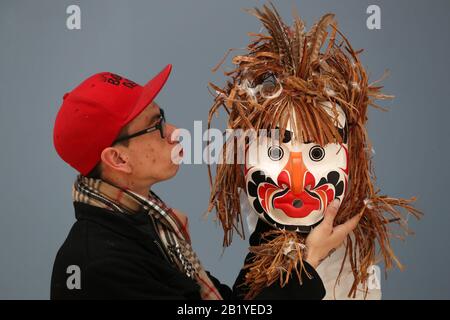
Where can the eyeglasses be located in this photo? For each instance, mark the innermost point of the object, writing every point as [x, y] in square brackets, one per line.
[159, 126]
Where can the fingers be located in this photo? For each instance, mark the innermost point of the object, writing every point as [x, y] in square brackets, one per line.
[341, 231]
[331, 212]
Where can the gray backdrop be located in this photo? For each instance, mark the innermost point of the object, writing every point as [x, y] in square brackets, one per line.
[40, 60]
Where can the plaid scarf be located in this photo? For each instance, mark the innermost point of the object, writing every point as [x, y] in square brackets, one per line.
[171, 228]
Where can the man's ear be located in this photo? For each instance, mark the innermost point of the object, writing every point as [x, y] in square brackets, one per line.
[116, 159]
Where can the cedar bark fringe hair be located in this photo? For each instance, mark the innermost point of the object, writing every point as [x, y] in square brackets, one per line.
[307, 69]
[277, 259]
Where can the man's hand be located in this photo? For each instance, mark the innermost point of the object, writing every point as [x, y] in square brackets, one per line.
[325, 238]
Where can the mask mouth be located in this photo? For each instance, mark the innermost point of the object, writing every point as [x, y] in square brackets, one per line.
[297, 203]
[313, 198]
[285, 209]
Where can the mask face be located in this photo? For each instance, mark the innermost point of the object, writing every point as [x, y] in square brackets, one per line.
[290, 184]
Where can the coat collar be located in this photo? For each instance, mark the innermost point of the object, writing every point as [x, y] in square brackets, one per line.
[137, 226]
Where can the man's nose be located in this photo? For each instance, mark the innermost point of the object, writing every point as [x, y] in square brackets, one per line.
[171, 134]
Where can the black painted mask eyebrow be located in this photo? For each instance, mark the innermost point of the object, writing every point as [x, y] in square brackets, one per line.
[287, 135]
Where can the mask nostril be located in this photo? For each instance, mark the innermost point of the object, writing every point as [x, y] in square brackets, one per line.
[297, 203]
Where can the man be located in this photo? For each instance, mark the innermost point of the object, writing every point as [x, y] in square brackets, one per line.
[127, 243]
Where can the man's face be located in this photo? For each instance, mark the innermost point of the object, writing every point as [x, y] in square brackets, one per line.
[149, 154]
[290, 184]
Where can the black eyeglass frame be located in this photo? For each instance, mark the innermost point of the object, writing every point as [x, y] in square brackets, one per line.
[159, 126]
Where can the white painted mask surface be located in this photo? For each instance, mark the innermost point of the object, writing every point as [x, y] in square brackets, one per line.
[289, 183]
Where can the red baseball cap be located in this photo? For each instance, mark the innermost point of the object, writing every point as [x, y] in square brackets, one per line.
[92, 115]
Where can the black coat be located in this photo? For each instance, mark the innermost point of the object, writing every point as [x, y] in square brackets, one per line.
[121, 257]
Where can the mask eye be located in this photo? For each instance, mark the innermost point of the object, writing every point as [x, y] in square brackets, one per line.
[275, 153]
[316, 153]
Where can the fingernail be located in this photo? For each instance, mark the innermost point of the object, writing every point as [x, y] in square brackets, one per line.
[335, 203]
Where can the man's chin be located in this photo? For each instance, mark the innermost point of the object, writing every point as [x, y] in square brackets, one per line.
[172, 171]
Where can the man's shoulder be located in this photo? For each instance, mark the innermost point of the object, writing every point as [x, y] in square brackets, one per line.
[89, 241]
[106, 260]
